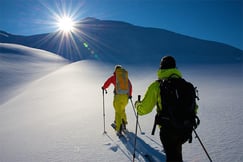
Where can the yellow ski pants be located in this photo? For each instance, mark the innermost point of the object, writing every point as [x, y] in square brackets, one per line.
[120, 102]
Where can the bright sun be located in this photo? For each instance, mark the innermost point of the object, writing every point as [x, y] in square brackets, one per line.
[65, 24]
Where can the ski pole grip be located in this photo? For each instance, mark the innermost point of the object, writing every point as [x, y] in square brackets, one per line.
[139, 97]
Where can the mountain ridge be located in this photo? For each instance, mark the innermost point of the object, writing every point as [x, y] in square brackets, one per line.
[121, 42]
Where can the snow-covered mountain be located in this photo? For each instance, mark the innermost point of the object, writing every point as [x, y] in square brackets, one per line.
[51, 109]
[114, 41]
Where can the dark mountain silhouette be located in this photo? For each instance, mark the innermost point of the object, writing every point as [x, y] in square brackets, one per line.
[120, 42]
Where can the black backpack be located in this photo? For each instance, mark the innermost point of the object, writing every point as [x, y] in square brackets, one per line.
[178, 99]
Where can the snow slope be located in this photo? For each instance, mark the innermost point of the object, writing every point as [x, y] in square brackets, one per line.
[20, 65]
[59, 116]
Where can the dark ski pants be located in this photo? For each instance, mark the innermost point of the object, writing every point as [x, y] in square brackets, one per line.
[172, 143]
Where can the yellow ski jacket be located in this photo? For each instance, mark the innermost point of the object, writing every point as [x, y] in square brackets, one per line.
[152, 95]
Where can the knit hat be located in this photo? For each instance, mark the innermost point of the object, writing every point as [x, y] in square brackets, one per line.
[167, 62]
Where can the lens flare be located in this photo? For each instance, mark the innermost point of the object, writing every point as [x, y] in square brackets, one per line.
[70, 38]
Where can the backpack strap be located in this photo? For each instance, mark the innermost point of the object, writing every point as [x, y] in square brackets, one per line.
[174, 76]
[159, 118]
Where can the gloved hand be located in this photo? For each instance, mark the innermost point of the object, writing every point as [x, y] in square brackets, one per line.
[104, 90]
[130, 97]
[136, 103]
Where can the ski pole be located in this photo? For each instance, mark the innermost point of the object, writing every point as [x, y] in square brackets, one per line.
[202, 145]
[136, 114]
[104, 108]
[136, 130]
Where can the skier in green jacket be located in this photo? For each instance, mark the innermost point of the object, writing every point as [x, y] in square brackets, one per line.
[171, 141]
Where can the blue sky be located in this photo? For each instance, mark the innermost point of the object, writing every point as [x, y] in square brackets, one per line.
[216, 20]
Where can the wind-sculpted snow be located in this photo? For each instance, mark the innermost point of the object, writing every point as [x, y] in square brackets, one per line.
[20, 65]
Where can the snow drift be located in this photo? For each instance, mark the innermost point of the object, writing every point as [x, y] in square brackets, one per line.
[20, 65]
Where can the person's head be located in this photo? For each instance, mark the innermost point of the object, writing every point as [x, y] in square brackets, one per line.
[117, 67]
[167, 62]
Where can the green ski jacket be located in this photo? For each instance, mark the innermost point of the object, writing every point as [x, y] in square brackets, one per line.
[152, 96]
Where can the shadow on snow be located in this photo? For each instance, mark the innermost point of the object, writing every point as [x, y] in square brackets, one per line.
[143, 150]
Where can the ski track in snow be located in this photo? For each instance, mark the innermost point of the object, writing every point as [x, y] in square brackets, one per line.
[125, 144]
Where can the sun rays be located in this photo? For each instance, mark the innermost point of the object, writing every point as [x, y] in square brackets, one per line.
[64, 19]
[70, 39]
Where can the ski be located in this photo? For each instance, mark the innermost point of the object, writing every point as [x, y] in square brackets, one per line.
[127, 138]
[123, 131]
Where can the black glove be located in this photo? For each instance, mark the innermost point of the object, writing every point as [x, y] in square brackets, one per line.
[130, 97]
[104, 90]
[137, 102]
